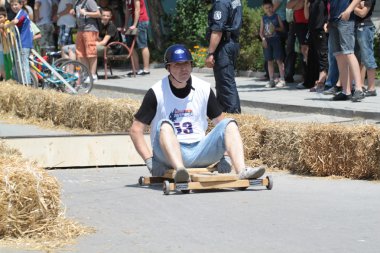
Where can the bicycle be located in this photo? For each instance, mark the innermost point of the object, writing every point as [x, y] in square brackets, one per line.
[70, 77]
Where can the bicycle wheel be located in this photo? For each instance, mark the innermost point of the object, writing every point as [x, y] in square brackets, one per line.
[78, 76]
[58, 63]
[34, 81]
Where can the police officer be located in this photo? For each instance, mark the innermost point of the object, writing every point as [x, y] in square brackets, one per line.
[224, 20]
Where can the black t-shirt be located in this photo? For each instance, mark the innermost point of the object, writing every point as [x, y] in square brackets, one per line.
[148, 107]
[367, 19]
[109, 29]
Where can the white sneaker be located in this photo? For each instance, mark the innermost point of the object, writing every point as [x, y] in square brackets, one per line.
[250, 172]
[94, 78]
[281, 84]
[87, 80]
[270, 84]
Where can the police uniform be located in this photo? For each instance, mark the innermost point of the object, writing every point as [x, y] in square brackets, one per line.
[226, 16]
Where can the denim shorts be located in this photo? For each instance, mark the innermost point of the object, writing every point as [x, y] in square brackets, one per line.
[274, 50]
[342, 37]
[364, 36]
[195, 155]
[142, 36]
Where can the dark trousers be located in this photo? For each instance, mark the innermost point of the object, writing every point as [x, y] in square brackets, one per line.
[317, 58]
[291, 56]
[224, 73]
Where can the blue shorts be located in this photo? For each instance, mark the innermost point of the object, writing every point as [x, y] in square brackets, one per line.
[274, 50]
[195, 155]
[365, 36]
[342, 37]
[142, 36]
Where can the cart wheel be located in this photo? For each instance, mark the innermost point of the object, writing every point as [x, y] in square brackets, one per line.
[141, 181]
[242, 188]
[270, 182]
[185, 191]
[166, 187]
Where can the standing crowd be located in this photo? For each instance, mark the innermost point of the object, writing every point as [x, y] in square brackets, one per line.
[94, 24]
[335, 41]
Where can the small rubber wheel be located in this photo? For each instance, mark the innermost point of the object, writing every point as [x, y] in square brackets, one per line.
[166, 187]
[242, 188]
[141, 181]
[185, 191]
[270, 182]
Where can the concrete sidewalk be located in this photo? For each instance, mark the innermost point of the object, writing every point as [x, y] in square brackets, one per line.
[253, 93]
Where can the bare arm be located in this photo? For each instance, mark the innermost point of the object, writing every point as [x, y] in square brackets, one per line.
[137, 15]
[306, 9]
[215, 38]
[66, 10]
[37, 6]
[281, 28]
[295, 4]
[276, 5]
[104, 41]
[345, 15]
[361, 10]
[216, 120]
[137, 136]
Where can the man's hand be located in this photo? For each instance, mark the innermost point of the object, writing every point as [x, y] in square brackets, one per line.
[210, 61]
[149, 164]
[132, 27]
[264, 43]
[345, 16]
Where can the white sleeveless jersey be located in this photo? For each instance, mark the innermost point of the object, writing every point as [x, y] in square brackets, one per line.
[189, 114]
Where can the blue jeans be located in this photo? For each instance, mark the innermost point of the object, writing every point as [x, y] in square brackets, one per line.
[364, 37]
[333, 73]
[342, 37]
[142, 36]
[195, 155]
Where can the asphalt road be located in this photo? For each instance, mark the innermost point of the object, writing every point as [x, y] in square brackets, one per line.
[300, 214]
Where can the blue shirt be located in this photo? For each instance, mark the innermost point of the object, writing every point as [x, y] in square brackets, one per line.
[226, 15]
[25, 29]
[269, 25]
[337, 7]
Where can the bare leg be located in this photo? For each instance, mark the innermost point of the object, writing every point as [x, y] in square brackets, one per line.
[281, 68]
[343, 73]
[371, 73]
[135, 59]
[92, 62]
[355, 69]
[234, 146]
[170, 146]
[271, 70]
[146, 56]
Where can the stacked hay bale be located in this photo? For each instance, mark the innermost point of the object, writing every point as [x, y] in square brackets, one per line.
[86, 112]
[30, 205]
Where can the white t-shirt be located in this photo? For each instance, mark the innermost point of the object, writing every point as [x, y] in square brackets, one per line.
[45, 11]
[189, 114]
[68, 19]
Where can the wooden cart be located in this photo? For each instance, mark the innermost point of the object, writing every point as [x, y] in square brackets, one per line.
[205, 178]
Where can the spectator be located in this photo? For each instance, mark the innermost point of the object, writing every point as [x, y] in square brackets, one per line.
[140, 21]
[225, 21]
[365, 32]
[291, 55]
[316, 13]
[301, 31]
[22, 22]
[44, 10]
[270, 28]
[342, 32]
[65, 22]
[107, 32]
[87, 13]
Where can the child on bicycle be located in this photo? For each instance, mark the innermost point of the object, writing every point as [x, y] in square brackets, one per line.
[270, 28]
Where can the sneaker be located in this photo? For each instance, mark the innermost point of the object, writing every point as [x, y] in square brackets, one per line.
[253, 173]
[270, 84]
[341, 97]
[87, 80]
[181, 176]
[281, 84]
[370, 93]
[224, 165]
[130, 73]
[332, 91]
[94, 78]
[358, 96]
[142, 72]
[300, 86]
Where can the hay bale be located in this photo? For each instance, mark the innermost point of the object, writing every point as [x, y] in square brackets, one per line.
[30, 205]
[348, 151]
[86, 111]
[281, 145]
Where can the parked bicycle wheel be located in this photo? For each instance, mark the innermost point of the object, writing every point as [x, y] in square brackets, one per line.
[78, 76]
[58, 63]
[34, 81]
